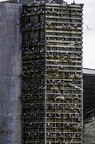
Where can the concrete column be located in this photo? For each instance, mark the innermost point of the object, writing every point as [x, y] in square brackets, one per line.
[10, 71]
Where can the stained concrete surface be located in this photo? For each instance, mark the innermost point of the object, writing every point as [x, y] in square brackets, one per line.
[89, 132]
[10, 70]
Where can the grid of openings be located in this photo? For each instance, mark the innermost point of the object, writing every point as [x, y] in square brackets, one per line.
[63, 74]
[33, 81]
[52, 73]
[89, 91]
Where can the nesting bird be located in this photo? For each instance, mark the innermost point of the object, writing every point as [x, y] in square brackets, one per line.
[59, 97]
[50, 1]
[34, 2]
[79, 88]
[74, 2]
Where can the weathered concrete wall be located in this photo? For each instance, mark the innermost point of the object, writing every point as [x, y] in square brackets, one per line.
[89, 132]
[89, 127]
[10, 69]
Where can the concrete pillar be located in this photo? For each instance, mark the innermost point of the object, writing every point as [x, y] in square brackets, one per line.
[10, 71]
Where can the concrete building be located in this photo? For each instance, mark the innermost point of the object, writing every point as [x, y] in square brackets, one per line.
[89, 89]
[52, 73]
[41, 76]
[89, 126]
[89, 105]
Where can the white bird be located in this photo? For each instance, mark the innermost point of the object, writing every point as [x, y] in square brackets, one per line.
[50, 1]
[72, 43]
[34, 2]
[93, 118]
[88, 28]
[59, 97]
[79, 88]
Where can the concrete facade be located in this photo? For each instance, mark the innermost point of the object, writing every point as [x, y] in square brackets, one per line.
[89, 127]
[89, 88]
[89, 132]
[89, 105]
[10, 71]
[88, 71]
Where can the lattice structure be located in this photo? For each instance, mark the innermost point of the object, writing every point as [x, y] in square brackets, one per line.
[52, 73]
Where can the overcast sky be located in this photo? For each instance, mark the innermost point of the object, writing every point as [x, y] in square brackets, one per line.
[88, 35]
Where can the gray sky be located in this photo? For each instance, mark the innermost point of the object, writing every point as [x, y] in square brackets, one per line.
[88, 35]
